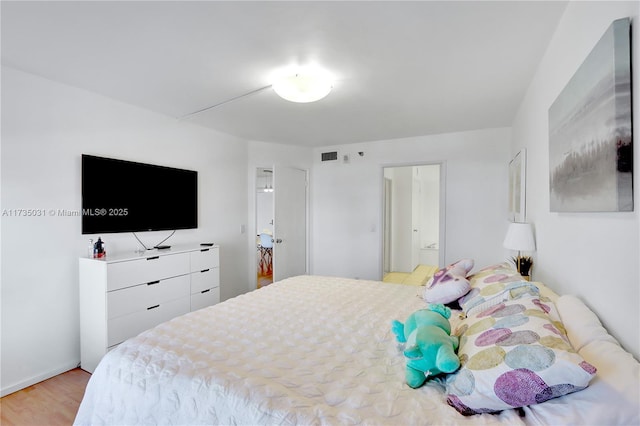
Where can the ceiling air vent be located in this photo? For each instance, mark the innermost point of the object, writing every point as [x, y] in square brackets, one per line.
[330, 156]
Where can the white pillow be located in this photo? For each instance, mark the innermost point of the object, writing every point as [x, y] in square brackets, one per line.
[582, 325]
[449, 284]
[612, 398]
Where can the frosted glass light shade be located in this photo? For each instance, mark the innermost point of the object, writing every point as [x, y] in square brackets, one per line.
[519, 237]
[303, 86]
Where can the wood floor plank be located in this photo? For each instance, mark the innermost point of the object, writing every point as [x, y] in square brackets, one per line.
[53, 402]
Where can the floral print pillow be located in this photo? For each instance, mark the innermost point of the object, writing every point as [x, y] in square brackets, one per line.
[514, 353]
[487, 283]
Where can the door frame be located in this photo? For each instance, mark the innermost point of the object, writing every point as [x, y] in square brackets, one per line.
[253, 276]
[443, 218]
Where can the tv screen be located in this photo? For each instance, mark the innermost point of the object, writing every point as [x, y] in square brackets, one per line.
[125, 196]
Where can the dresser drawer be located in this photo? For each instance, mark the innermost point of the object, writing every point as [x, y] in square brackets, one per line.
[130, 325]
[137, 298]
[205, 298]
[204, 259]
[205, 279]
[140, 271]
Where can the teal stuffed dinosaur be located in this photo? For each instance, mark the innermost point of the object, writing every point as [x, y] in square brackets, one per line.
[430, 348]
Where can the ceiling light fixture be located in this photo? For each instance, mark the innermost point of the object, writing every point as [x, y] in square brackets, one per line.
[302, 85]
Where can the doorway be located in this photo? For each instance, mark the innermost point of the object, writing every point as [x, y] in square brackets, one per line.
[281, 223]
[413, 217]
[264, 226]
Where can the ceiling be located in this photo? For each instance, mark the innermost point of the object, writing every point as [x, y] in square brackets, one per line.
[402, 68]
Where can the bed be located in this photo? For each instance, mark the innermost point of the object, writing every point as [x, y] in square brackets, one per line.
[313, 350]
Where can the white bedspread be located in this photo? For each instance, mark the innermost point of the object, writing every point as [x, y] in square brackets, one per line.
[306, 350]
[319, 351]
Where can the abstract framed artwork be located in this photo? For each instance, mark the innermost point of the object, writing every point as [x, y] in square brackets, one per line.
[517, 188]
[590, 133]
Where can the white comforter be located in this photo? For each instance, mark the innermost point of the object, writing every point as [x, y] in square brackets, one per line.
[307, 351]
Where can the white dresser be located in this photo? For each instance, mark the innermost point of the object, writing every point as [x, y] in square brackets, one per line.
[123, 295]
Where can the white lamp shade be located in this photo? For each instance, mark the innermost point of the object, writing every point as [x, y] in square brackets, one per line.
[520, 237]
[305, 85]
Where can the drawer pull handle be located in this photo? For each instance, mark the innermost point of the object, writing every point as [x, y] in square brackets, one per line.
[205, 291]
[153, 258]
[204, 249]
[204, 270]
[152, 307]
[153, 282]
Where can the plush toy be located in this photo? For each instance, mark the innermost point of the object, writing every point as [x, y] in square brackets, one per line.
[430, 348]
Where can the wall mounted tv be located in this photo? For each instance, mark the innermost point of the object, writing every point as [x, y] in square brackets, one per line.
[125, 196]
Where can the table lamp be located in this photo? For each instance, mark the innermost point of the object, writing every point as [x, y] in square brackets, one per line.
[520, 237]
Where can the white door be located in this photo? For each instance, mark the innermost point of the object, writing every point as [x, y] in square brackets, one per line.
[416, 218]
[290, 222]
[387, 221]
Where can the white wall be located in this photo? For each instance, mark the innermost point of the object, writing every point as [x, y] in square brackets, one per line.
[347, 199]
[46, 127]
[593, 255]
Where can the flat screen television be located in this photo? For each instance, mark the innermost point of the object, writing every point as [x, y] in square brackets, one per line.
[126, 196]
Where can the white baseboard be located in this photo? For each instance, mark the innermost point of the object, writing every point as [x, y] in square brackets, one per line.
[37, 379]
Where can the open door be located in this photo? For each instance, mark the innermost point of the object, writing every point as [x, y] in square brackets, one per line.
[264, 226]
[290, 222]
[413, 217]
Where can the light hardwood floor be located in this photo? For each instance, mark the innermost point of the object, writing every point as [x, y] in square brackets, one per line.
[50, 403]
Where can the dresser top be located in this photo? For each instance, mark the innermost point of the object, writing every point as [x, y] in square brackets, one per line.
[135, 255]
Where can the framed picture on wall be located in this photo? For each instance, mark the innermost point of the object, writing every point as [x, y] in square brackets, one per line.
[590, 131]
[517, 177]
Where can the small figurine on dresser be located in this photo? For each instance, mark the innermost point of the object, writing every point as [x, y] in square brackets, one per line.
[99, 250]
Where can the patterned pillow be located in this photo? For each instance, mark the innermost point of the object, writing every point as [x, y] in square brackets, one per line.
[488, 282]
[450, 283]
[514, 353]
